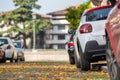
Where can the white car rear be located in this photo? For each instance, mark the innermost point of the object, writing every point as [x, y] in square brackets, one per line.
[90, 38]
[10, 50]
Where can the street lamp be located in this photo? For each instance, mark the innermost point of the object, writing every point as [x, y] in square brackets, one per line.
[34, 31]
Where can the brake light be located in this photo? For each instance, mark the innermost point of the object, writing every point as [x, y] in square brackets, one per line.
[8, 47]
[85, 28]
[70, 44]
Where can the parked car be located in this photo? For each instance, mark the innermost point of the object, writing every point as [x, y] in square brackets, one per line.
[113, 41]
[71, 47]
[10, 51]
[2, 55]
[20, 52]
[89, 39]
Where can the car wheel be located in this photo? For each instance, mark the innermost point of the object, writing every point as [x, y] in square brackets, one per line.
[16, 60]
[113, 69]
[23, 59]
[11, 60]
[77, 61]
[84, 62]
[4, 59]
[72, 60]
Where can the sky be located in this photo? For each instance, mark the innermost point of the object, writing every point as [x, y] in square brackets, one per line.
[46, 5]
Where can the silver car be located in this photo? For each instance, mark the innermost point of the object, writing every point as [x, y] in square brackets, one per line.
[9, 48]
[20, 51]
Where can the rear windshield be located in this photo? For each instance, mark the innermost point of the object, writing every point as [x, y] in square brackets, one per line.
[3, 41]
[18, 44]
[96, 15]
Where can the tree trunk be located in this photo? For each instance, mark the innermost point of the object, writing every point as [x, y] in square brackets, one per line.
[24, 38]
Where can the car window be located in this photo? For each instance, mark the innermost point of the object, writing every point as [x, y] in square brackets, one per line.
[3, 41]
[96, 15]
[18, 44]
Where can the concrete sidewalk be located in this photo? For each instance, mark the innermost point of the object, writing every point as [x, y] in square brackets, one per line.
[46, 55]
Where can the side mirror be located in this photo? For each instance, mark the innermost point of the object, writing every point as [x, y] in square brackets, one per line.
[15, 45]
[1, 44]
[71, 31]
[66, 43]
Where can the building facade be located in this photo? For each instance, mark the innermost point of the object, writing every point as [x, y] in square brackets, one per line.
[57, 36]
[40, 42]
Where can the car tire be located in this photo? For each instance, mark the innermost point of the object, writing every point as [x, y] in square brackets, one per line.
[84, 62]
[72, 60]
[11, 60]
[16, 60]
[77, 61]
[113, 68]
[23, 59]
[4, 59]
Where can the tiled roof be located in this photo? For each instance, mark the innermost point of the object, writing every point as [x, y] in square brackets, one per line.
[59, 12]
[44, 16]
[64, 11]
[5, 12]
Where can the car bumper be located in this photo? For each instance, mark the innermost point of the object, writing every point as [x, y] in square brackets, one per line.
[8, 53]
[20, 55]
[93, 46]
[94, 49]
[71, 51]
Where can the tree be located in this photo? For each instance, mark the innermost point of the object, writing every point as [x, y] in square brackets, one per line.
[74, 14]
[22, 15]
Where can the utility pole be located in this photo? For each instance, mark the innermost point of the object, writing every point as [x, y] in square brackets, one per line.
[34, 31]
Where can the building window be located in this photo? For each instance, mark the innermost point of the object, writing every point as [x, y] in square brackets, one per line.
[61, 27]
[61, 37]
[61, 46]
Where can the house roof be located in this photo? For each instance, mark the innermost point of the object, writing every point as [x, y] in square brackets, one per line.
[44, 16]
[59, 12]
[5, 12]
[63, 11]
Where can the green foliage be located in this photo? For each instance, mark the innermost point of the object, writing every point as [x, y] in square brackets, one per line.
[43, 24]
[27, 4]
[23, 14]
[74, 14]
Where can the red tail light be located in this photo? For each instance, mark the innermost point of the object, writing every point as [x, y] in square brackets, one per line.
[8, 47]
[85, 28]
[70, 44]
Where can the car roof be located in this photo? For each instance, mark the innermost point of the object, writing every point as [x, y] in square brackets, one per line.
[17, 41]
[4, 38]
[96, 8]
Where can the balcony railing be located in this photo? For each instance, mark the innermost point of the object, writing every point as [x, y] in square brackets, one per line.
[57, 32]
[56, 41]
